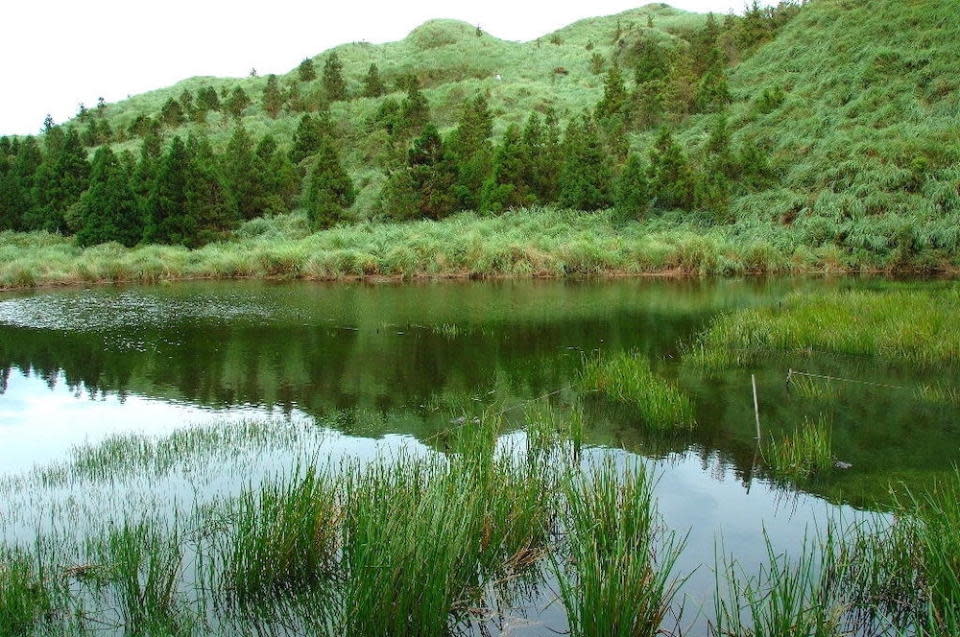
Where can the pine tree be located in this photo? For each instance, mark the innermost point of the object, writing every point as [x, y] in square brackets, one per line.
[681, 90]
[187, 103]
[241, 177]
[307, 72]
[108, 209]
[671, 178]
[144, 175]
[532, 146]
[652, 62]
[433, 174]
[208, 98]
[399, 198]
[471, 151]
[415, 110]
[207, 200]
[330, 190]
[280, 179]
[169, 218]
[506, 187]
[238, 102]
[614, 101]
[585, 176]
[713, 93]
[60, 180]
[372, 84]
[333, 84]
[309, 137]
[272, 97]
[172, 113]
[631, 195]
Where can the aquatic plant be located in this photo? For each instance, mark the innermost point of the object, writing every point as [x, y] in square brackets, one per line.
[618, 579]
[628, 378]
[895, 323]
[25, 596]
[801, 454]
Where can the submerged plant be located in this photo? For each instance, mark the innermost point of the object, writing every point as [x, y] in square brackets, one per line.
[628, 378]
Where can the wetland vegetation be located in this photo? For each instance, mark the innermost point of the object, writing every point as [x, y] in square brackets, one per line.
[540, 483]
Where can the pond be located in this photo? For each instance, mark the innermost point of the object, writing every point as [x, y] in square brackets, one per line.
[328, 372]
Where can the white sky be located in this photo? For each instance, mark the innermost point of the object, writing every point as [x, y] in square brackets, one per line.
[56, 54]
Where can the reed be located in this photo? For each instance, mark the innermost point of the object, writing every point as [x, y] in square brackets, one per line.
[26, 599]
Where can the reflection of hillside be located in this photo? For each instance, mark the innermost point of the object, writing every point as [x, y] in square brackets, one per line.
[399, 359]
[323, 347]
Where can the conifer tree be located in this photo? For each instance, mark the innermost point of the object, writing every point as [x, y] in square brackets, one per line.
[372, 84]
[713, 93]
[631, 195]
[532, 147]
[207, 200]
[309, 136]
[415, 110]
[506, 187]
[144, 175]
[330, 190]
[433, 174]
[652, 62]
[169, 218]
[333, 84]
[671, 178]
[187, 103]
[241, 177]
[585, 176]
[272, 97]
[471, 151]
[238, 102]
[208, 98]
[681, 89]
[60, 180]
[108, 209]
[552, 159]
[399, 198]
[307, 72]
[280, 179]
[172, 113]
[614, 101]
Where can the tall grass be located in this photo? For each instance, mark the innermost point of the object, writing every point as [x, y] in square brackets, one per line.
[619, 580]
[628, 378]
[25, 596]
[801, 454]
[898, 324]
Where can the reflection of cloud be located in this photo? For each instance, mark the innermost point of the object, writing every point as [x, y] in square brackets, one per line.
[38, 424]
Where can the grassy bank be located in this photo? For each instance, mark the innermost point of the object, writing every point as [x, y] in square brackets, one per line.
[895, 324]
[523, 243]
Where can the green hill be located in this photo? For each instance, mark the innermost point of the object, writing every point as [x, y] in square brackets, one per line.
[843, 120]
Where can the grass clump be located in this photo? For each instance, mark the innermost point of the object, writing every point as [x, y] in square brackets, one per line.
[899, 324]
[628, 378]
[802, 454]
[618, 580]
[25, 598]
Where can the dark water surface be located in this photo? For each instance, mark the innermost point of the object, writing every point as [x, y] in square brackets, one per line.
[383, 365]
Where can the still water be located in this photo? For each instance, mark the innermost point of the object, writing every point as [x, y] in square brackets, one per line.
[373, 367]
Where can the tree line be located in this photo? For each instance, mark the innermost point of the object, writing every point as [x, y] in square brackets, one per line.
[183, 191]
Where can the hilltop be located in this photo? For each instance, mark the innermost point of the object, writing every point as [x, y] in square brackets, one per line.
[820, 134]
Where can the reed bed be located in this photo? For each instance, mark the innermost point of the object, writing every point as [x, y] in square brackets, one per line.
[628, 378]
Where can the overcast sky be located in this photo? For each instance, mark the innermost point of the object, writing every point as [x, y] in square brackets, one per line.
[56, 54]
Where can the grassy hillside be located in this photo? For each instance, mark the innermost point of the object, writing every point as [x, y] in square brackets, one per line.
[854, 105]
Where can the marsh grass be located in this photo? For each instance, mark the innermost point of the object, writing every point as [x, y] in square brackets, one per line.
[618, 579]
[913, 326]
[787, 597]
[144, 566]
[26, 598]
[628, 378]
[800, 455]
